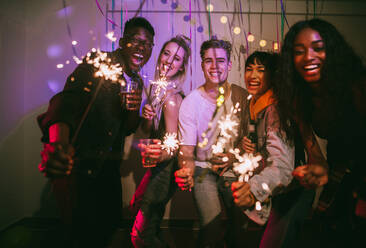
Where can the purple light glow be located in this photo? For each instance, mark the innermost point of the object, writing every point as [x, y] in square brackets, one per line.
[186, 18]
[54, 51]
[64, 11]
[54, 86]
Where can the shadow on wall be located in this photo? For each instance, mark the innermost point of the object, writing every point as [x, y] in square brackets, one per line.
[23, 190]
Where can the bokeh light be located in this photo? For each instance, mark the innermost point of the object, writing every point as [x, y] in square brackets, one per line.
[262, 43]
[237, 30]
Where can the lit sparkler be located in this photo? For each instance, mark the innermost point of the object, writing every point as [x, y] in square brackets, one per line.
[170, 143]
[228, 126]
[160, 85]
[246, 164]
[106, 69]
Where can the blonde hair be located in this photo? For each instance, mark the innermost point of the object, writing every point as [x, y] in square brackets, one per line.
[185, 43]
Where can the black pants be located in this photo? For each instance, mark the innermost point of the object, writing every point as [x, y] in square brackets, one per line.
[91, 207]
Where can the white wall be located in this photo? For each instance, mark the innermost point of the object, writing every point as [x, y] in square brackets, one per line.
[34, 38]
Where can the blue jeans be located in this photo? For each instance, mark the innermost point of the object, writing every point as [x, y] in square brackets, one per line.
[161, 187]
[208, 192]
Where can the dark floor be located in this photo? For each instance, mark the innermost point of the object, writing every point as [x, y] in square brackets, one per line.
[42, 233]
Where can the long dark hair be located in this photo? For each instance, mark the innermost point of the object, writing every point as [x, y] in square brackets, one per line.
[342, 69]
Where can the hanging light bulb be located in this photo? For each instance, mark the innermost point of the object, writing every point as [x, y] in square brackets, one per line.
[223, 19]
[250, 37]
[74, 42]
[275, 46]
[210, 7]
[236, 30]
[262, 43]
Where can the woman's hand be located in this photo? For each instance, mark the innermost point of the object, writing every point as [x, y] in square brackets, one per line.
[221, 162]
[153, 151]
[248, 146]
[311, 175]
[242, 195]
[147, 112]
[184, 178]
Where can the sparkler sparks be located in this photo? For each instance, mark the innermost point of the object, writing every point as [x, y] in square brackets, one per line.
[105, 70]
[170, 143]
[228, 126]
[160, 85]
[246, 164]
[245, 167]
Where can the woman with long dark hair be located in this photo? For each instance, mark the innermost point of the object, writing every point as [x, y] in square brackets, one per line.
[322, 85]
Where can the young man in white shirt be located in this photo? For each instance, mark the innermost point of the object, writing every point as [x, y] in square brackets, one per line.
[206, 173]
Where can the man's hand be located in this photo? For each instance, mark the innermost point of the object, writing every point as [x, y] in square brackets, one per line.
[311, 175]
[221, 162]
[184, 178]
[133, 100]
[242, 195]
[57, 160]
[247, 145]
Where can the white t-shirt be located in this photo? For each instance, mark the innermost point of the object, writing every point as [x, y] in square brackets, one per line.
[195, 114]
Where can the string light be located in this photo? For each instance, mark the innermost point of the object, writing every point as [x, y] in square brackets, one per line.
[59, 66]
[223, 19]
[237, 30]
[262, 43]
[210, 7]
[74, 42]
[250, 37]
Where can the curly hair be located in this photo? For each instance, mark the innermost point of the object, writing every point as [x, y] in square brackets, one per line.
[342, 69]
[138, 22]
[183, 42]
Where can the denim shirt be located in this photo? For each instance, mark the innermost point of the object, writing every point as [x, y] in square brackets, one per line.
[278, 163]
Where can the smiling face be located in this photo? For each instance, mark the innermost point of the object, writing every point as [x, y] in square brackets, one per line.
[137, 47]
[215, 65]
[309, 55]
[171, 60]
[255, 79]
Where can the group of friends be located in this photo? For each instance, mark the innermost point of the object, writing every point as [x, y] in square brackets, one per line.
[312, 95]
